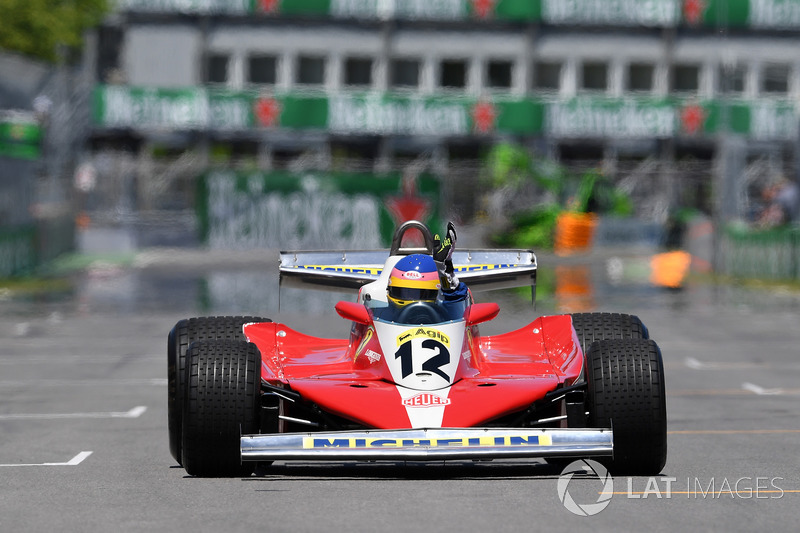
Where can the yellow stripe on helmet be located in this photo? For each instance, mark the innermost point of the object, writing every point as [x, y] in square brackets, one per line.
[414, 283]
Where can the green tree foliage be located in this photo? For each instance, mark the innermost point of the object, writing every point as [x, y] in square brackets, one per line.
[510, 166]
[37, 28]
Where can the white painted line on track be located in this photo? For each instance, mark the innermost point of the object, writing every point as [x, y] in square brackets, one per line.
[693, 363]
[153, 382]
[136, 412]
[732, 392]
[67, 359]
[75, 461]
[696, 364]
[761, 391]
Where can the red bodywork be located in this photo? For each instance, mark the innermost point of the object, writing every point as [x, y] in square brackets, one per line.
[497, 375]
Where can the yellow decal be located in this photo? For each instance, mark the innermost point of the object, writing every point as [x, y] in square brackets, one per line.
[458, 442]
[364, 342]
[475, 268]
[423, 332]
[374, 271]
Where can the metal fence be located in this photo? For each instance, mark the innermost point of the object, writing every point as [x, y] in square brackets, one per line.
[767, 255]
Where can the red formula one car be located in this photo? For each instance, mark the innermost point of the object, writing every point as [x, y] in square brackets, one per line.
[417, 385]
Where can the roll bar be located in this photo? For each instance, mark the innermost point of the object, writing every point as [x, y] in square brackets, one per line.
[397, 239]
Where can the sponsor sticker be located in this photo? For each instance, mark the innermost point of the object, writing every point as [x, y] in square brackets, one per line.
[429, 333]
[425, 400]
[458, 442]
[347, 270]
[372, 355]
[375, 271]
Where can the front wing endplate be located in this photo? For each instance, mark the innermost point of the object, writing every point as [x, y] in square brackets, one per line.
[428, 444]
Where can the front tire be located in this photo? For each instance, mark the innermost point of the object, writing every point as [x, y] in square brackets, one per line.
[592, 327]
[626, 393]
[222, 402]
[184, 333]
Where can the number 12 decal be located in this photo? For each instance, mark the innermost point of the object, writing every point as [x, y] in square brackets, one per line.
[433, 364]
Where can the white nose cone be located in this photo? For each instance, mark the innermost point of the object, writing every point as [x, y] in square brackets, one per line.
[422, 358]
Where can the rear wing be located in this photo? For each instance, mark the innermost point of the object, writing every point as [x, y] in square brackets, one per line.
[479, 269]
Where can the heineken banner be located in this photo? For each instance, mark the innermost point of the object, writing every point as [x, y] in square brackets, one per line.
[415, 115]
[312, 210]
[360, 9]
[767, 14]
[197, 108]
[20, 135]
[659, 13]
[594, 117]
[386, 114]
[229, 7]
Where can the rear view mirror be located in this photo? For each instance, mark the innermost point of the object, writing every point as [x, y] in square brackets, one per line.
[353, 311]
[477, 313]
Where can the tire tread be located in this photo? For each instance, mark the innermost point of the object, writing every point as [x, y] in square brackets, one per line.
[627, 393]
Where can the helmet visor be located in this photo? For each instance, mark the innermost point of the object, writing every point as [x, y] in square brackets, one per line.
[412, 293]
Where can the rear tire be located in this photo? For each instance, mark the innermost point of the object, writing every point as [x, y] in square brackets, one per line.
[222, 402]
[626, 393]
[592, 327]
[184, 333]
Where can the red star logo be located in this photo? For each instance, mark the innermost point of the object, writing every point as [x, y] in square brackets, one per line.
[409, 206]
[268, 111]
[693, 117]
[693, 10]
[17, 131]
[483, 8]
[483, 117]
[269, 6]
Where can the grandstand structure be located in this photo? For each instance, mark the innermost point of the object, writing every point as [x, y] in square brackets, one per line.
[704, 91]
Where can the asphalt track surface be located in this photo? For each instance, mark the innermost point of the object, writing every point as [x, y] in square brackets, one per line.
[83, 438]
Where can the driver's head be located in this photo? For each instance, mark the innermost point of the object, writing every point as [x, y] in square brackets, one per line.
[413, 279]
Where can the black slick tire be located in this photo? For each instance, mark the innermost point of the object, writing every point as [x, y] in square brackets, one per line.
[184, 333]
[222, 402]
[626, 393]
[592, 327]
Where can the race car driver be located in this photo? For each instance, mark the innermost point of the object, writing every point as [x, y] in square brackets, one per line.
[421, 278]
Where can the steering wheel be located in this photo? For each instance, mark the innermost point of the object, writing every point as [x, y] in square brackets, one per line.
[421, 313]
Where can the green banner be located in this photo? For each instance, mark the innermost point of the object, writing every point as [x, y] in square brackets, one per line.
[312, 210]
[607, 117]
[197, 108]
[187, 6]
[122, 106]
[388, 114]
[20, 136]
[761, 14]
[658, 13]
[773, 14]
[417, 115]
[758, 120]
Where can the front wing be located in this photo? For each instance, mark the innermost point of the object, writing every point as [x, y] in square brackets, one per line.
[428, 444]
